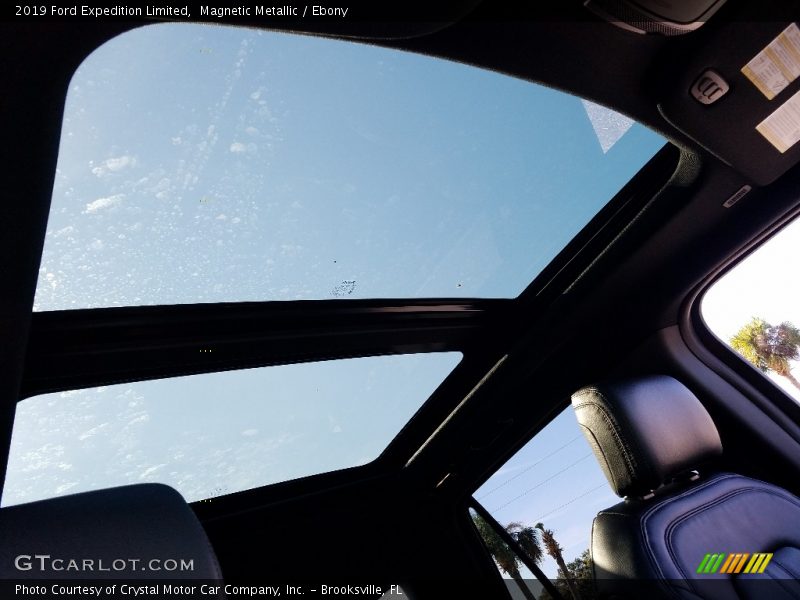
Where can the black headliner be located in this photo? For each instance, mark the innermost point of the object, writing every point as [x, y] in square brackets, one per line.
[627, 276]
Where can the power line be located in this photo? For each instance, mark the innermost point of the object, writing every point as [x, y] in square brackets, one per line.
[541, 483]
[576, 498]
[528, 468]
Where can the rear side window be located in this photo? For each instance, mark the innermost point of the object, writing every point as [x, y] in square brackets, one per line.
[546, 497]
[755, 309]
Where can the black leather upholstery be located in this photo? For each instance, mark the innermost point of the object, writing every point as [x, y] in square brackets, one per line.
[142, 522]
[645, 431]
[653, 545]
[784, 570]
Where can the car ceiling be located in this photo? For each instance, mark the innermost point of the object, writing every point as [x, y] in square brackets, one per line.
[612, 301]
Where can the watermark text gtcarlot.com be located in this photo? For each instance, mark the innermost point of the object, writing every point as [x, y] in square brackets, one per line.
[46, 563]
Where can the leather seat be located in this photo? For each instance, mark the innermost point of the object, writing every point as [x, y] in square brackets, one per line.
[119, 531]
[657, 445]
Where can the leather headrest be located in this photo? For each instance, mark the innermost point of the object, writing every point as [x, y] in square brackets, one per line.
[645, 431]
[107, 534]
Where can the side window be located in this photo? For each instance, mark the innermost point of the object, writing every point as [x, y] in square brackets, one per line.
[755, 309]
[546, 497]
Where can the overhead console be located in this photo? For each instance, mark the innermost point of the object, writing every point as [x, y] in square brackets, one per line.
[738, 95]
[666, 17]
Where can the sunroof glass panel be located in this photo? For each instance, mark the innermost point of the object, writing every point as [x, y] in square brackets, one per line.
[218, 433]
[219, 164]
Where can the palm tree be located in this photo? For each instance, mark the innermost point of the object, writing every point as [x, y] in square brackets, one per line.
[529, 540]
[554, 549]
[769, 347]
[503, 555]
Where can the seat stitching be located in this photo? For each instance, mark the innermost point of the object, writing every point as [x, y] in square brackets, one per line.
[655, 507]
[678, 520]
[623, 445]
[615, 482]
[785, 568]
[780, 581]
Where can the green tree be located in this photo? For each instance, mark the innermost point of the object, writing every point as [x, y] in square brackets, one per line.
[504, 556]
[769, 347]
[555, 550]
[582, 577]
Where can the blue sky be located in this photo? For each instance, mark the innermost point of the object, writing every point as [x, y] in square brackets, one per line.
[209, 164]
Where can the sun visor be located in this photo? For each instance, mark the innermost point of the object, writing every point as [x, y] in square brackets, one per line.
[739, 97]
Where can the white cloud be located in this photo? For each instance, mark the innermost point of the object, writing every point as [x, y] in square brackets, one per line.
[114, 164]
[103, 203]
[147, 472]
[144, 418]
[64, 487]
[92, 432]
[119, 163]
[291, 249]
[249, 432]
[63, 231]
[240, 147]
[334, 424]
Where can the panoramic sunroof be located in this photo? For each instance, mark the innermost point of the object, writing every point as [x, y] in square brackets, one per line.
[218, 433]
[219, 164]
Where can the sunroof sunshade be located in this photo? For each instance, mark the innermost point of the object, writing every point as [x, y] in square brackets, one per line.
[218, 164]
